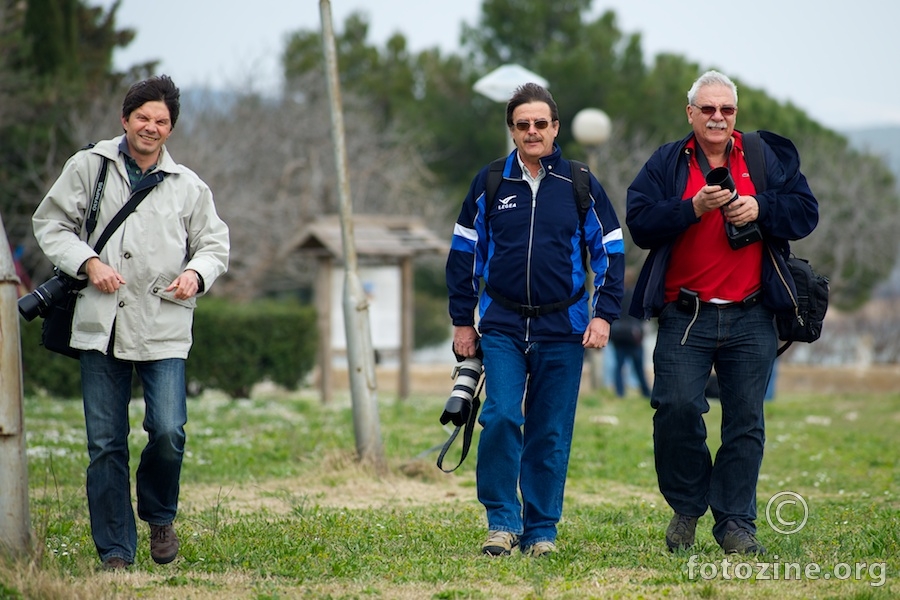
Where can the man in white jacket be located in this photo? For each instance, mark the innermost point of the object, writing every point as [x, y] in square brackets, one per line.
[136, 312]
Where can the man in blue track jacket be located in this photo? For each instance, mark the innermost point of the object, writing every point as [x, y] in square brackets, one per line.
[714, 278]
[526, 245]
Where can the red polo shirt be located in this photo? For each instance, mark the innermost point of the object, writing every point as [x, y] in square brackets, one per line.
[702, 260]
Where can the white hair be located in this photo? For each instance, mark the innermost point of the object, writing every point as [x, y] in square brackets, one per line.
[711, 77]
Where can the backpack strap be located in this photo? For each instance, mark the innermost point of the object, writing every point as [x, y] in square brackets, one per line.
[495, 176]
[581, 180]
[756, 162]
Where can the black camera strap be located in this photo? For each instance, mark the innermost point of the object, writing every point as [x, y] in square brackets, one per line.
[91, 220]
[467, 434]
[704, 162]
[90, 223]
[145, 187]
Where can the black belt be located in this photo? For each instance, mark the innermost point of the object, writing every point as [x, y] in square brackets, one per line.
[527, 310]
[751, 300]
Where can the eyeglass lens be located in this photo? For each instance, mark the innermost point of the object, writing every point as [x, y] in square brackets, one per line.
[538, 124]
[709, 111]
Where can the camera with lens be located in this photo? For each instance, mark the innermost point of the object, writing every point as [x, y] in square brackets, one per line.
[738, 237]
[460, 404]
[53, 291]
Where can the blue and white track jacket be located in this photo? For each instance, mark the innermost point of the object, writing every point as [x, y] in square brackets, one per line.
[529, 250]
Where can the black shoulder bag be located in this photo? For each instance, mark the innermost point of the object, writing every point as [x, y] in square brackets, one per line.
[56, 330]
[810, 290]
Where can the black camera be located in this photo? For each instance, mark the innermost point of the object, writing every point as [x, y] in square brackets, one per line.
[467, 374]
[51, 292]
[738, 237]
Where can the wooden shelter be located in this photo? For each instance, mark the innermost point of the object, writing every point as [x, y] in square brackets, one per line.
[380, 240]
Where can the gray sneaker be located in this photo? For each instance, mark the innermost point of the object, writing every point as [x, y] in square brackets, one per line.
[738, 540]
[540, 549]
[680, 532]
[499, 543]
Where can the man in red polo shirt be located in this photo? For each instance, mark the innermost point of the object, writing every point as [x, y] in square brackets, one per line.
[710, 278]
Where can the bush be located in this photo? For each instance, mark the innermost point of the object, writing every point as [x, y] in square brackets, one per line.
[238, 345]
[235, 346]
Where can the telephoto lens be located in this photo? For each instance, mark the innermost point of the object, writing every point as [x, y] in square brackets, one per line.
[38, 302]
[738, 237]
[722, 176]
[459, 405]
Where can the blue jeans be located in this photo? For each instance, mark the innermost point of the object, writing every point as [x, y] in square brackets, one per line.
[634, 354]
[741, 343]
[528, 417]
[106, 387]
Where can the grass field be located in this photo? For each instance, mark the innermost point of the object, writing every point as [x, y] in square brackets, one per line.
[274, 505]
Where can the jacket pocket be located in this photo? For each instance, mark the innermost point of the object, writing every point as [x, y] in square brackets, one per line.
[159, 289]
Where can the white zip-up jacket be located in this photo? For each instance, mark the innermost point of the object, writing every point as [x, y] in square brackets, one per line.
[176, 227]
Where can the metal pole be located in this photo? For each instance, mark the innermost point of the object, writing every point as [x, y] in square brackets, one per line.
[360, 354]
[15, 523]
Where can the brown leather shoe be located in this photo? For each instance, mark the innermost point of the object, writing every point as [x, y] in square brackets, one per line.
[115, 563]
[163, 543]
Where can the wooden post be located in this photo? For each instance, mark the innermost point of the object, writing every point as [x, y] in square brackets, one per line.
[15, 525]
[323, 310]
[407, 309]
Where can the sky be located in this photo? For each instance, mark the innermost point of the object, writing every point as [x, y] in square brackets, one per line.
[831, 58]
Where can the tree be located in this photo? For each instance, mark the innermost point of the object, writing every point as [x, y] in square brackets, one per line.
[271, 166]
[55, 65]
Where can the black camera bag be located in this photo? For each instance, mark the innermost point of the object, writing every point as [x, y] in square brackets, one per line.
[805, 324]
[56, 330]
[811, 297]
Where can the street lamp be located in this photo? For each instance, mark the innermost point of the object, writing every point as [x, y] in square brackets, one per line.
[591, 128]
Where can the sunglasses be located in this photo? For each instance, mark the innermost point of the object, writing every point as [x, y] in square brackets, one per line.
[709, 111]
[538, 124]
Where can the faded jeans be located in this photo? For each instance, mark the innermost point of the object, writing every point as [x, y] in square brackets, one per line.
[530, 450]
[106, 387]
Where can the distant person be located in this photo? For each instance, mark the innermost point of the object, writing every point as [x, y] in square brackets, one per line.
[713, 278]
[525, 246]
[24, 286]
[136, 312]
[627, 340]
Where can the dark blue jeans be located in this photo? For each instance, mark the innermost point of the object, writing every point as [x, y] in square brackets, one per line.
[741, 343]
[528, 418]
[634, 354]
[106, 387]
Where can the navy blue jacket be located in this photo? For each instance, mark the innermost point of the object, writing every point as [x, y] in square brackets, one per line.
[656, 215]
[529, 250]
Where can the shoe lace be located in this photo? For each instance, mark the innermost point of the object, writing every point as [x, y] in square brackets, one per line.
[500, 537]
[160, 534]
[683, 525]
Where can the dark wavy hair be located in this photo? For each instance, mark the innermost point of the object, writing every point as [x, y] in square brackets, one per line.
[160, 88]
[527, 93]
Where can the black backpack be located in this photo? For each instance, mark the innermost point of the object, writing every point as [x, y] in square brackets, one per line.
[811, 299]
[581, 180]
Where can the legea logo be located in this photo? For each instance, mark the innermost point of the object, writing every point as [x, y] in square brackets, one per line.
[506, 203]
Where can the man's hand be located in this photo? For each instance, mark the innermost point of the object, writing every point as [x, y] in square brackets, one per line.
[597, 334]
[710, 197]
[465, 340]
[102, 276]
[185, 285]
[742, 211]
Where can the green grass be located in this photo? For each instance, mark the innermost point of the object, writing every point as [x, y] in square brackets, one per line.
[274, 505]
